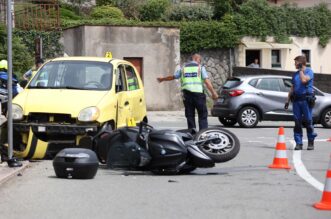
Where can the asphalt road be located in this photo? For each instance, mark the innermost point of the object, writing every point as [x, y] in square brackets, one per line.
[241, 188]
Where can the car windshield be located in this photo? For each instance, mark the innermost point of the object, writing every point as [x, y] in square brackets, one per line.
[80, 75]
[231, 83]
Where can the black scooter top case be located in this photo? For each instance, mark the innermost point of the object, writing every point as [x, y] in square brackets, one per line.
[77, 163]
[166, 148]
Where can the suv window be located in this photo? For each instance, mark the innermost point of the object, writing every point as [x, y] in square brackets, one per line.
[287, 84]
[231, 83]
[271, 84]
[253, 82]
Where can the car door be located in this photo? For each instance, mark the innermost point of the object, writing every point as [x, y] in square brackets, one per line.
[136, 93]
[124, 109]
[271, 99]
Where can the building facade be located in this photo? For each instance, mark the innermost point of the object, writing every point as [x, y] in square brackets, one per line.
[277, 56]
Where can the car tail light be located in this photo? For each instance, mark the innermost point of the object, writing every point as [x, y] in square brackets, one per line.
[235, 93]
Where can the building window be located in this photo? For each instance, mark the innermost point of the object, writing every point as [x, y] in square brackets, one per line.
[275, 59]
[306, 53]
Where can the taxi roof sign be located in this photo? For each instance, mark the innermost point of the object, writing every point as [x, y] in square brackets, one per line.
[109, 55]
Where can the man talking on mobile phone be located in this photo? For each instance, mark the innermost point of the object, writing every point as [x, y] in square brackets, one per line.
[303, 98]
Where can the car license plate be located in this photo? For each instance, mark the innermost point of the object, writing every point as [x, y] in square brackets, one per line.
[41, 129]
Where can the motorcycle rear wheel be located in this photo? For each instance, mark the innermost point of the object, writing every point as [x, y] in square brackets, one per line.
[223, 149]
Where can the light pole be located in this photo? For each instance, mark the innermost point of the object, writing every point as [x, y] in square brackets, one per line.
[12, 162]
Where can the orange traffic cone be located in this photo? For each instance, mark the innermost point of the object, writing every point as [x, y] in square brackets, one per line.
[325, 203]
[280, 159]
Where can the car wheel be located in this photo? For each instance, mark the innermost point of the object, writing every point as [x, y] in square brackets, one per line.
[227, 122]
[326, 118]
[248, 117]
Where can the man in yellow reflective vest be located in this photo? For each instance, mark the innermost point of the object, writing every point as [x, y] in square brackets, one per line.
[192, 77]
[132, 82]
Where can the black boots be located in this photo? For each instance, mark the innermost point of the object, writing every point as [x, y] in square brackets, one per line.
[310, 145]
[298, 147]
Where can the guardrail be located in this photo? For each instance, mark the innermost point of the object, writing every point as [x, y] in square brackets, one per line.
[40, 15]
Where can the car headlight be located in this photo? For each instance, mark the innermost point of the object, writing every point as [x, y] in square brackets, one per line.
[89, 114]
[17, 112]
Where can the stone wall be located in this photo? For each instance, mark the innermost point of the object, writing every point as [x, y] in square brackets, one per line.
[218, 64]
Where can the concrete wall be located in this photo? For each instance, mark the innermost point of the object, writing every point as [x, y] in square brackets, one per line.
[158, 46]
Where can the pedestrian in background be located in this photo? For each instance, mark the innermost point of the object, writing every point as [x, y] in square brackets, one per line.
[27, 75]
[192, 77]
[303, 98]
[254, 64]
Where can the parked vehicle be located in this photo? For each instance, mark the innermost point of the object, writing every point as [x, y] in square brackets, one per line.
[165, 151]
[250, 99]
[70, 99]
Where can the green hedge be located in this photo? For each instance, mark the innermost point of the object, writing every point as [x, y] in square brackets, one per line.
[153, 10]
[190, 13]
[106, 11]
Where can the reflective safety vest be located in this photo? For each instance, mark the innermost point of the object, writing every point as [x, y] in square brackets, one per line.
[191, 78]
[132, 84]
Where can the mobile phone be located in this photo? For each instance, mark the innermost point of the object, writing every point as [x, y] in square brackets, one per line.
[300, 66]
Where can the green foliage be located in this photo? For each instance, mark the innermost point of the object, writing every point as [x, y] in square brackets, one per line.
[130, 8]
[50, 42]
[103, 2]
[68, 14]
[252, 18]
[153, 10]
[21, 56]
[107, 11]
[195, 36]
[257, 18]
[190, 13]
[222, 7]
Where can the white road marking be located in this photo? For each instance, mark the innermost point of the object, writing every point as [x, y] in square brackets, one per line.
[302, 171]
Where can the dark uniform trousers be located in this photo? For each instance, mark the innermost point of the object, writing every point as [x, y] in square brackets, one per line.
[302, 112]
[192, 101]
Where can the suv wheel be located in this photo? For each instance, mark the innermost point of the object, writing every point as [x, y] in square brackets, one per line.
[248, 117]
[326, 118]
[227, 122]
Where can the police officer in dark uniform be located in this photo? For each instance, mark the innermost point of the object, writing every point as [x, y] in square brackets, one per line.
[302, 96]
[192, 77]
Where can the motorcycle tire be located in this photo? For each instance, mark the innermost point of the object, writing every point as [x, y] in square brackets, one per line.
[221, 150]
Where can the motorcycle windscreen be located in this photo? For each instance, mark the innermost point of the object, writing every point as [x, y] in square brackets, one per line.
[167, 149]
[127, 155]
[197, 158]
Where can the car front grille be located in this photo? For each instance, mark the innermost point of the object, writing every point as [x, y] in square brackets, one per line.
[47, 117]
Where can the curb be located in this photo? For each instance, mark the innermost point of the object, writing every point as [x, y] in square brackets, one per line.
[7, 173]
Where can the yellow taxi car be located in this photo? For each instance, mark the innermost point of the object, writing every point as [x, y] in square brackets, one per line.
[69, 100]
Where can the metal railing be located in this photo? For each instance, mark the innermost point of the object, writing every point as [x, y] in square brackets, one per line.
[43, 15]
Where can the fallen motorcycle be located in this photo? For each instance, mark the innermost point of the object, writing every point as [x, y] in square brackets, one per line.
[165, 151]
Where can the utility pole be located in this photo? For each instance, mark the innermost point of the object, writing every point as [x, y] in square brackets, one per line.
[12, 162]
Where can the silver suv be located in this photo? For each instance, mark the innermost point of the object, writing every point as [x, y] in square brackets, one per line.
[250, 99]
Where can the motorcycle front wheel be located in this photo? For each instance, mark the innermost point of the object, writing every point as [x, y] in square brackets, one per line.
[223, 148]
